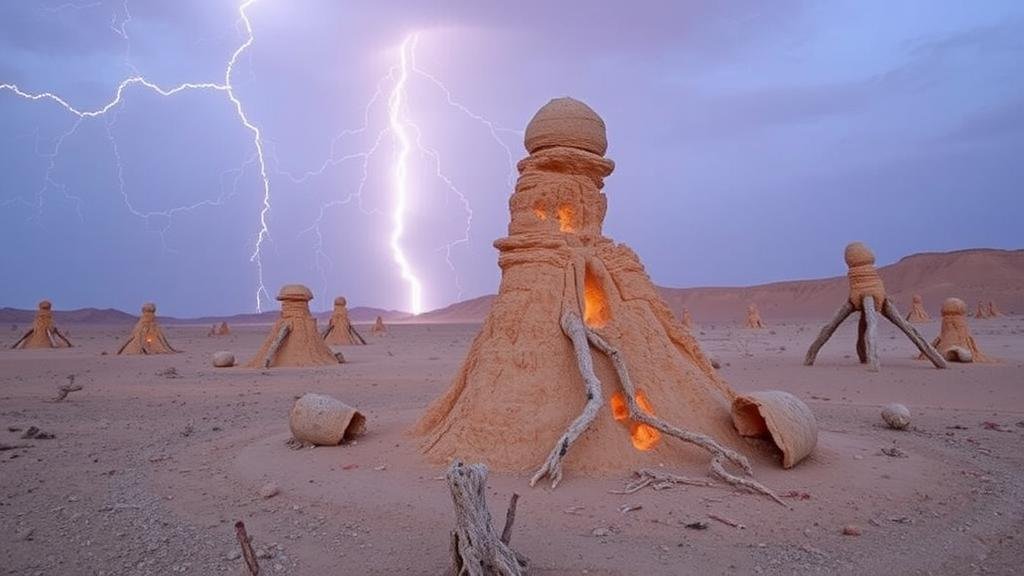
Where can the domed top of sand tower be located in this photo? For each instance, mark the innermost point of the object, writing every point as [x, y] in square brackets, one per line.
[149, 308]
[340, 302]
[294, 292]
[566, 122]
[45, 305]
[954, 307]
[857, 254]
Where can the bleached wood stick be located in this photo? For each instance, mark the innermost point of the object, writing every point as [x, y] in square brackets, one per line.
[826, 332]
[281, 335]
[871, 336]
[890, 312]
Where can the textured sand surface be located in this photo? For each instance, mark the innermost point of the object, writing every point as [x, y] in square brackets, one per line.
[147, 472]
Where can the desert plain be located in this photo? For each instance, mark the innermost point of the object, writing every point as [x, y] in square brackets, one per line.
[155, 459]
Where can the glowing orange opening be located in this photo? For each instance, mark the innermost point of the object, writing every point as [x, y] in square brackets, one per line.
[149, 339]
[595, 302]
[540, 214]
[641, 435]
[566, 219]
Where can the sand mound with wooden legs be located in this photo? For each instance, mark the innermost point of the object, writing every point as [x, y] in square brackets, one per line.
[917, 312]
[293, 340]
[339, 329]
[754, 317]
[43, 333]
[580, 365]
[146, 336]
[955, 341]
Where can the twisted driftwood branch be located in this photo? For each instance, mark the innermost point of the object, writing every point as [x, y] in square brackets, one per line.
[659, 481]
[577, 333]
[272, 352]
[245, 541]
[890, 312]
[862, 347]
[23, 338]
[826, 332]
[718, 452]
[61, 336]
[476, 549]
[355, 335]
[871, 335]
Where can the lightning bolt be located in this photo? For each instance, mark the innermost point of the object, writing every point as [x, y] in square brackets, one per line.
[392, 92]
[138, 81]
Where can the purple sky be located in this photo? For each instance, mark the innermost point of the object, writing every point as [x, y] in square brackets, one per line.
[753, 140]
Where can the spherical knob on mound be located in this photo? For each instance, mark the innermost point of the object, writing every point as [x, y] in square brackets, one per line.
[857, 254]
[45, 305]
[148, 307]
[340, 301]
[295, 292]
[954, 307]
[566, 122]
[917, 299]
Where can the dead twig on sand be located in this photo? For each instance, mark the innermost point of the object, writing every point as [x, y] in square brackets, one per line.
[476, 550]
[246, 543]
[727, 521]
[66, 389]
[658, 481]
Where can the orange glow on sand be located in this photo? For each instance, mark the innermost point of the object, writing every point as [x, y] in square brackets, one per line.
[643, 436]
[566, 219]
[595, 302]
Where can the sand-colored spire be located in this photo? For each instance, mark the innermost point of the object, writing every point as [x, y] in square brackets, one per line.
[379, 329]
[339, 329]
[293, 340]
[146, 336]
[955, 341]
[754, 317]
[993, 311]
[687, 320]
[917, 312]
[223, 329]
[577, 323]
[982, 311]
[867, 295]
[43, 333]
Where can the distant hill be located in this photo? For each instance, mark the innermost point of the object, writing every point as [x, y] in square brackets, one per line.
[111, 316]
[973, 275]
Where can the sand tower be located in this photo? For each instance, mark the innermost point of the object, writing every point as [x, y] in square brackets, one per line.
[577, 322]
[223, 329]
[293, 340]
[687, 319]
[955, 341]
[982, 312]
[754, 317]
[379, 329]
[917, 312]
[867, 295]
[339, 330]
[147, 337]
[43, 333]
[993, 311]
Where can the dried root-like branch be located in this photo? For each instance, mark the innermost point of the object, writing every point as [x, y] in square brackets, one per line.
[871, 335]
[23, 338]
[476, 549]
[278, 341]
[826, 332]
[718, 452]
[66, 389]
[246, 543]
[58, 334]
[659, 481]
[577, 333]
[355, 335]
[893, 315]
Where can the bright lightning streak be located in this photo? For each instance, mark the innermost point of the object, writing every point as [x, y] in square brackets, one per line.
[139, 81]
[396, 103]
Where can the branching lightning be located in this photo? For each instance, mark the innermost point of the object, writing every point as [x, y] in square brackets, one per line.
[405, 136]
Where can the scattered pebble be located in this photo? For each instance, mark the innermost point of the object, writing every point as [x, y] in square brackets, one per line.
[269, 490]
[852, 530]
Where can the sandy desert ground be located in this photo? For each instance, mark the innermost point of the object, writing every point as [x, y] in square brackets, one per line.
[149, 469]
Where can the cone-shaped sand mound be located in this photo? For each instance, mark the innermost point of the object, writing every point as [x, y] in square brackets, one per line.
[293, 340]
[754, 317]
[578, 350]
[147, 337]
[379, 329]
[917, 312]
[339, 330]
[955, 341]
[43, 333]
